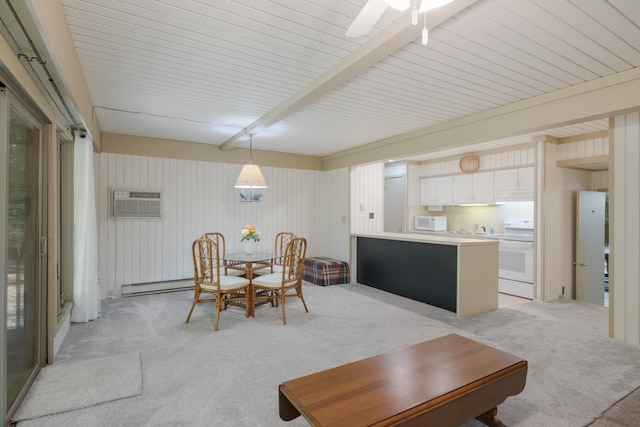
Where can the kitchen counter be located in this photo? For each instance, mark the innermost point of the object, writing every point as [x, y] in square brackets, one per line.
[437, 237]
[454, 273]
[462, 234]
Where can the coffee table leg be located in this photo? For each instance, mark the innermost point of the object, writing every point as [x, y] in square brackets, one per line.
[489, 418]
[288, 412]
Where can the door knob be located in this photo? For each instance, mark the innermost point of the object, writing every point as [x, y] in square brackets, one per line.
[583, 264]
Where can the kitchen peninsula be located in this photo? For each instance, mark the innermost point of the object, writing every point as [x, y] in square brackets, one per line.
[453, 273]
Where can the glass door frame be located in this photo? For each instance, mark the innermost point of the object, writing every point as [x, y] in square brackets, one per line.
[11, 103]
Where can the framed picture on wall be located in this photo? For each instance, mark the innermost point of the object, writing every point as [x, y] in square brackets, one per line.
[247, 196]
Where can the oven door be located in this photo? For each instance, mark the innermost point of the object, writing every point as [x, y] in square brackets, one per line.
[516, 261]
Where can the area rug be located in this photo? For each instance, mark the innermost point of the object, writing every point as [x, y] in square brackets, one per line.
[70, 386]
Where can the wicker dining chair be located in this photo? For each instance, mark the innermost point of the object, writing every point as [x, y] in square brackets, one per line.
[287, 283]
[282, 240]
[235, 270]
[209, 284]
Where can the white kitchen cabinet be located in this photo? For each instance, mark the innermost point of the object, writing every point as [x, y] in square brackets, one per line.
[463, 188]
[514, 184]
[483, 187]
[526, 178]
[514, 179]
[436, 191]
[457, 189]
[506, 180]
[473, 188]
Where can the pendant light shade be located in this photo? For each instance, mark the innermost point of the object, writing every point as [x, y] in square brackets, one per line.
[250, 175]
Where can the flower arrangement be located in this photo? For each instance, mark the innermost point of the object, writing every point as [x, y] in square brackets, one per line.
[249, 232]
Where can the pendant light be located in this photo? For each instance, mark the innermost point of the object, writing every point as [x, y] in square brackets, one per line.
[250, 175]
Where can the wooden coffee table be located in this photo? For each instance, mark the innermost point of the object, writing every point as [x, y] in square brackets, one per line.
[443, 382]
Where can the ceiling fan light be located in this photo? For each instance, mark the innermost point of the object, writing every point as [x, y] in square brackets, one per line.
[398, 4]
[425, 35]
[432, 4]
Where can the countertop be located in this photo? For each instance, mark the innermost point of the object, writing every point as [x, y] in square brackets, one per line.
[438, 239]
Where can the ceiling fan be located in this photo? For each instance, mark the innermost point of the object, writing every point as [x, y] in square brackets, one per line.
[373, 10]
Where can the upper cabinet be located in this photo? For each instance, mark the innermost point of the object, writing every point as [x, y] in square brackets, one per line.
[483, 187]
[478, 188]
[462, 189]
[457, 189]
[436, 191]
[474, 188]
[514, 184]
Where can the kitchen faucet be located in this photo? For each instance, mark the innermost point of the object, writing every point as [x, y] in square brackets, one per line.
[476, 227]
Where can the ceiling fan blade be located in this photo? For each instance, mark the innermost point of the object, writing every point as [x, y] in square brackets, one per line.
[367, 18]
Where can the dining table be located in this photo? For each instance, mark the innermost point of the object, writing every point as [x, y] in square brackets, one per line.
[250, 263]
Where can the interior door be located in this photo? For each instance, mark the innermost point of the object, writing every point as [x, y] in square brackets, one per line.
[589, 263]
[22, 349]
[394, 204]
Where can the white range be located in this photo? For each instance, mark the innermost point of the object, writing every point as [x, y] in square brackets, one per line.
[515, 271]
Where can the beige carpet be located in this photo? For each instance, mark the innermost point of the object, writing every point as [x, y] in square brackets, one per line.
[195, 376]
[71, 386]
[624, 413]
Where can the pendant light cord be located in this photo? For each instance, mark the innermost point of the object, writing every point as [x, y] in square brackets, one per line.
[251, 148]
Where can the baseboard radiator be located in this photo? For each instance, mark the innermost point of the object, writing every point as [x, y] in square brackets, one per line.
[136, 289]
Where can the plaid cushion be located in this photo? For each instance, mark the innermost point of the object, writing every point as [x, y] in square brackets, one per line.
[326, 271]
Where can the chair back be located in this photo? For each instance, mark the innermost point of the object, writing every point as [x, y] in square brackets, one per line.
[293, 264]
[218, 239]
[282, 240]
[206, 262]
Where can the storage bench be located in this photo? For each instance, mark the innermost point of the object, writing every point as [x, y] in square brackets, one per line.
[325, 271]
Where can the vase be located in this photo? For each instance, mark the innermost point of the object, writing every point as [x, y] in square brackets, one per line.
[250, 247]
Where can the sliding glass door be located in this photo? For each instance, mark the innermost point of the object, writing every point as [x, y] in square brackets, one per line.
[23, 310]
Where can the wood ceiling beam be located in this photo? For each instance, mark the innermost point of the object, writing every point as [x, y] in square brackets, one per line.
[394, 37]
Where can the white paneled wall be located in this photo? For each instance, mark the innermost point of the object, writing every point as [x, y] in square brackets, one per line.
[367, 195]
[198, 196]
[413, 184]
[600, 180]
[331, 222]
[624, 261]
[395, 169]
[556, 211]
[586, 148]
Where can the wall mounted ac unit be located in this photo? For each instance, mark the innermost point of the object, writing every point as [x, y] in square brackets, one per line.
[137, 204]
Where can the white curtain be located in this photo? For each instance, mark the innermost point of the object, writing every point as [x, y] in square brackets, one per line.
[86, 286]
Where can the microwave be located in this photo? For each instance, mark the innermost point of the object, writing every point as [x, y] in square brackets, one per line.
[430, 223]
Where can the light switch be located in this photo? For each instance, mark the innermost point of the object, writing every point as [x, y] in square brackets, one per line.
[361, 206]
[370, 215]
